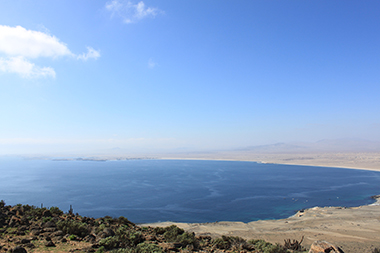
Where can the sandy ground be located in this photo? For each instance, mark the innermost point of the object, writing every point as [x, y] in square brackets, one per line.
[354, 229]
[366, 161]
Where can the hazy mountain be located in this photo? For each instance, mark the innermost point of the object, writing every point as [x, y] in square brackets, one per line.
[327, 145]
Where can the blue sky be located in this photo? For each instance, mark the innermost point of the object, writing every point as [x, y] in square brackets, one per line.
[169, 75]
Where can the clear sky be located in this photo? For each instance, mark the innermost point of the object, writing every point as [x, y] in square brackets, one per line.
[84, 75]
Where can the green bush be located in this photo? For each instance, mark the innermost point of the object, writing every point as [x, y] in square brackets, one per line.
[187, 239]
[100, 250]
[267, 247]
[72, 237]
[100, 228]
[172, 232]
[128, 238]
[159, 230]
[220, 243]
[108, 219]
[46, 219]
[34, 212]
[147, 248]
[124, 221]
[140, 248]
[109, 243]
[56, 211]
[73, 227]
[178, 235]
[125, 250]
[231, 242]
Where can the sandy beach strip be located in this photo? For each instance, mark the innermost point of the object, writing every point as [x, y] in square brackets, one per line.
[353, 160]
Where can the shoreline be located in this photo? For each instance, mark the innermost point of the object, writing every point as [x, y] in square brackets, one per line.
[354, 229]
[263, 162]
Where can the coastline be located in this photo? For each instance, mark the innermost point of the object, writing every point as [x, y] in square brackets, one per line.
[351, 160]
[354, 229]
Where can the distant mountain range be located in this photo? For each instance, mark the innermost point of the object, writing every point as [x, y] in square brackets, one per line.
[333, 145]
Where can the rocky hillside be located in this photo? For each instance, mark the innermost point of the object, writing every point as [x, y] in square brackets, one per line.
[25, 228]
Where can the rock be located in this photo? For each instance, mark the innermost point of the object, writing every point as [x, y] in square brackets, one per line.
[108, 232]
[25, 241]
[35, 231]
[45, 234]
[58, 238]
[49, 224]
[14, 221]
[30, 245]
[24, 221]
[49, 244]
[57, 233]
[50, 230]
[150, 238]
[90, 238]
[46, 213]
[18, 249]
[19, 210]
[324, 247]
[167, 246]
[23, 228]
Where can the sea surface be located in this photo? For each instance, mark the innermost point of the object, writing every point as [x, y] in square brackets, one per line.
[182, 190]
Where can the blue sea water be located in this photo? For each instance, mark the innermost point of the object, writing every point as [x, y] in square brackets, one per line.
[182, 190]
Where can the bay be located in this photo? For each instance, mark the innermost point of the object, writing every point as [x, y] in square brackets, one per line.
[147, 191]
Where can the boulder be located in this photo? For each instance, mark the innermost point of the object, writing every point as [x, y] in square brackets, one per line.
[25, 241]
[36, 231]
[57, 233]
[108, 232]
[46, 213]
[49, 244]
[18, 249]
[49, 224]
[90, 238]
[29, 245]
[50, 230]
[324, 247]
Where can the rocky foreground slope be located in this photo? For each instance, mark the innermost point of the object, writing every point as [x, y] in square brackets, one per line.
[25, 228]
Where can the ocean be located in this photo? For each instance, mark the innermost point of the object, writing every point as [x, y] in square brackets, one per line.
[147, 191]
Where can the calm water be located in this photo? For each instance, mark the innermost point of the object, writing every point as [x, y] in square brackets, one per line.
[185, 191]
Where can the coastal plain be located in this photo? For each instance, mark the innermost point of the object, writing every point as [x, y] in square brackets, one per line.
[354, 229]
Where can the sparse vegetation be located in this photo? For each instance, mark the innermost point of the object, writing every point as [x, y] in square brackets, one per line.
[46, 228]
[73, 227]
[266, 247]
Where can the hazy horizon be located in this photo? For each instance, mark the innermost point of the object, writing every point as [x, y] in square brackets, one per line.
[164, 76]
[322, 146]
